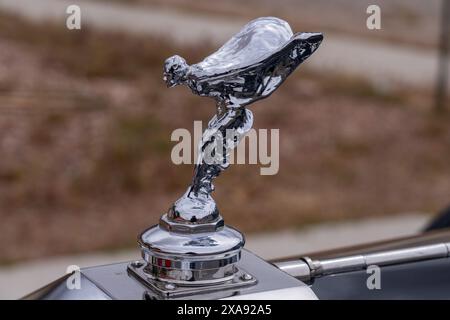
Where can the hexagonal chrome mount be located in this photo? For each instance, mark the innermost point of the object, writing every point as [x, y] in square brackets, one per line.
[191, 254]
[172, 226]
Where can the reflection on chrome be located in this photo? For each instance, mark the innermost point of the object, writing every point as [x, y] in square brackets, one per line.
[191, 244]
[249, 67]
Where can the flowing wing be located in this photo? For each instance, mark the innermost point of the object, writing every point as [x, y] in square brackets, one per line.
[242, 86]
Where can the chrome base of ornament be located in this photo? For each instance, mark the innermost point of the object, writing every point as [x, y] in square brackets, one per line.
[164, 289]
[191, 254]
[191, 246]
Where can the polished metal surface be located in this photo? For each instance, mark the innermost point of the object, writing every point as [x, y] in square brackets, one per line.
[297, 268]
[306, 268]
[191, 258]
[406, 255]
[191, 245]
[236, 279]
[256, 279]
[249, 67]
[163, 243]
[58, 290]
[416, 240]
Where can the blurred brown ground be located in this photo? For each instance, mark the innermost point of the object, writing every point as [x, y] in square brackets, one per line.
[85, 124]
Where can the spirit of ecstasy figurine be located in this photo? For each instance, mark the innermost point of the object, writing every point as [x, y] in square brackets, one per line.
[191, 246]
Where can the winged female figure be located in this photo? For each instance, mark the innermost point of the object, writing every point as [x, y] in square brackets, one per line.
[248, 67]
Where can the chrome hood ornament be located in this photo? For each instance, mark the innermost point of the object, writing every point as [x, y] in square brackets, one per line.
[191, 244]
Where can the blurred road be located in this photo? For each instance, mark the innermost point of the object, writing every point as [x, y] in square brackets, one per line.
[384, 64]
[20, 279]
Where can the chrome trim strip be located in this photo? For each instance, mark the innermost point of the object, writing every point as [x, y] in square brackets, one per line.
[341, 264]
[298, 269]
[406, 255]
[305, 268]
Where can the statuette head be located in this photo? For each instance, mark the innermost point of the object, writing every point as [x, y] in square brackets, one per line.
[175, 70]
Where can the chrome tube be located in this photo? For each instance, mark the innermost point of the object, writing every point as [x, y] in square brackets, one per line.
[305, 268]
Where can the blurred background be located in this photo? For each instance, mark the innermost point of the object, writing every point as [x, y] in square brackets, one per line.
[85, 124]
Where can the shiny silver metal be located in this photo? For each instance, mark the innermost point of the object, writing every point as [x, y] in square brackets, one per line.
[174, 289]
[58, 290]
[296, 268]
[247, 68]
[305, 268]
[191, 246]
[115, 281]
[434, 251]
[191, 258]
[425, 257]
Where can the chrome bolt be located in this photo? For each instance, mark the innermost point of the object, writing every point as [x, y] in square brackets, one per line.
[246, 277]
[170, 286]
[137, 264]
